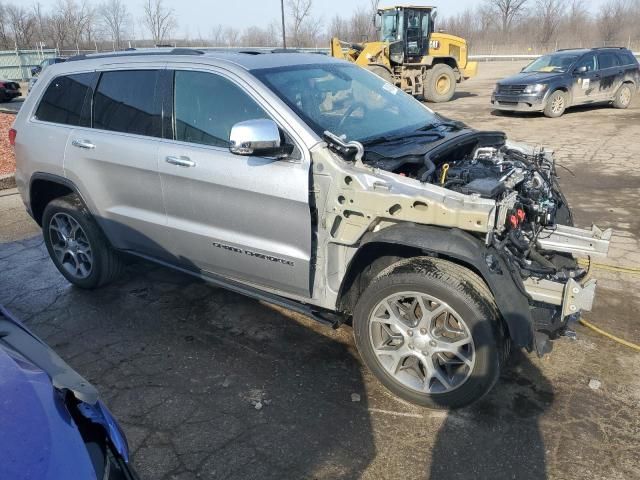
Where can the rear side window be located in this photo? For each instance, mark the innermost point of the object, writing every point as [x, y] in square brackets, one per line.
[67, 100]
[627, 58]
[126, 101]
[207, 106]
[607, 60]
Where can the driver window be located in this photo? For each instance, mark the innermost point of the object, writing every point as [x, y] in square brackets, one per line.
[207, 106]
[588, 61]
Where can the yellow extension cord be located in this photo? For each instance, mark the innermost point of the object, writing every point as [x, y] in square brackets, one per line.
[611, 268]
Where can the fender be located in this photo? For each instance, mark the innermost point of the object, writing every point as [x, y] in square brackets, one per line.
[458, 245]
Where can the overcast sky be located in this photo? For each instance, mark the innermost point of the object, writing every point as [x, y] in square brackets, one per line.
[196, 16]
[201, 15]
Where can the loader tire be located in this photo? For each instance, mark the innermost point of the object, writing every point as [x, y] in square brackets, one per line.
[439, 83]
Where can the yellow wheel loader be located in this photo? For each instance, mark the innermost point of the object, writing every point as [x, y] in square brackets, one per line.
[410, 54]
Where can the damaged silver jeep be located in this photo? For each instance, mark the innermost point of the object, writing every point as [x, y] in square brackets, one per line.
[310, 183]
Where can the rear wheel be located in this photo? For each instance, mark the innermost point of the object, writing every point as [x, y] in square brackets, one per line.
[557, 103]
[439, 83]
[76, 244]
[623, 97]
[429, 331]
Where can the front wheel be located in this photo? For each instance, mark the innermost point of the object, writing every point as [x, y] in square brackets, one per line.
[556, 104]
[429, 331]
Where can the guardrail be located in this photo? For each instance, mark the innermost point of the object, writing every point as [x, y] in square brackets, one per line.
[516, 56]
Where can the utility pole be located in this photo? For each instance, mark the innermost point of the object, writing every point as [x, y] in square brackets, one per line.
[284, 35]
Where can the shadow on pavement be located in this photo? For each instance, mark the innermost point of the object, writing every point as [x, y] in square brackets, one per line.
[183, 366]
[500, 436]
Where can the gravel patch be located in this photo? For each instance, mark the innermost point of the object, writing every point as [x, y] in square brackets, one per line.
[7, 158]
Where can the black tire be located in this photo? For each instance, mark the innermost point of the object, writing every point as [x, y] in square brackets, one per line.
[381, 71]
[624, 96]
[464, 292]
[439, 83]
[105, 266]
[556, 104]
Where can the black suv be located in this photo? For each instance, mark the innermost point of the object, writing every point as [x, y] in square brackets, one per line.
[554, 82]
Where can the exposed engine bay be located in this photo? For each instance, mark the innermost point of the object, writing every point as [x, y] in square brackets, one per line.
[521, 179]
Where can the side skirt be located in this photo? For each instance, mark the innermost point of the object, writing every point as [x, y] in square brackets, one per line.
[321, 315]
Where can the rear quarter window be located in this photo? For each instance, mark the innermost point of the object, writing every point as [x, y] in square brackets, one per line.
[67, 100]
[126, 101]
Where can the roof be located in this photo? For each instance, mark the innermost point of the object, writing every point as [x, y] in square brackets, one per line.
[418, 7]
[247, 59]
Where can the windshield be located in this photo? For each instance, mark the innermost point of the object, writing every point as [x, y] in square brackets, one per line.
[346, 100]
[552, 63]
[389, 26]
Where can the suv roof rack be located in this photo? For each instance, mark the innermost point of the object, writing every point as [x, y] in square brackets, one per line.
[132, 52]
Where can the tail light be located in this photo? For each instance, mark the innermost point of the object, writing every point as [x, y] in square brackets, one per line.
[12, 136]
[3, 85]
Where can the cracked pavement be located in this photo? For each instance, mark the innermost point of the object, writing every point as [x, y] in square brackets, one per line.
[182, 364]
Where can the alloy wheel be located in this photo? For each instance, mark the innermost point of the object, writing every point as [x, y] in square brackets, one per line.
[422, 342]
[557, 104]
[71, 245]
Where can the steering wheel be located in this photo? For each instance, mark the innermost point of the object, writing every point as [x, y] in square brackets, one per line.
[352, 108]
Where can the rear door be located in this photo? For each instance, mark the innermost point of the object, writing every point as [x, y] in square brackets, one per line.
[586, 85]
[243, 217]
[114, 161]
[611, 74]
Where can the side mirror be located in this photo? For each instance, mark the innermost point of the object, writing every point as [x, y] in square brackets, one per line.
[260, 137]
[35, 71]
[582, 69]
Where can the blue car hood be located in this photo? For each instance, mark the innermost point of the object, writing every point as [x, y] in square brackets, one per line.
[529, 78]
[39, 439]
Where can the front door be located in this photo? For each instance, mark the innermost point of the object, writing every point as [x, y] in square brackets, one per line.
[242, 217]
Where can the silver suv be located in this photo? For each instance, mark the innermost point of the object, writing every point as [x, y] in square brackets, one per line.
[310, 183]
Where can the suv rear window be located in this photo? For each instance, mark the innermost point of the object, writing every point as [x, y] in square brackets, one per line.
[626, 58]
[67, 100]
[126, 101]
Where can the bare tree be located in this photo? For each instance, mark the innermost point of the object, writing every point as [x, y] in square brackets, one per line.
[612, 18]
[5, 36]
[507, 11]
[22, 25]
[159, 20]
[42, 23]
[304, 30]
[232, 36]
[115, 18]
[550, 14]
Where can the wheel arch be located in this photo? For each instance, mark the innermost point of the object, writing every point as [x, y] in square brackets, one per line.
[450, 61]
[45, 187]
[379, 250]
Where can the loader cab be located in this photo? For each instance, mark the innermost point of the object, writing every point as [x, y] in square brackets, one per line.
[407, 30]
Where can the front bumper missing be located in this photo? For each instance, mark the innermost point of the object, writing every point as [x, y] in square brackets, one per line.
[577, 241]
[571, 297]
[567, 299]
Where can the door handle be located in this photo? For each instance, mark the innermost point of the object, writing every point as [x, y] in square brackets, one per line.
[180, 161]
[83, 144]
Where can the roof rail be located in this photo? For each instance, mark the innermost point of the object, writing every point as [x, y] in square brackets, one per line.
[132, 52]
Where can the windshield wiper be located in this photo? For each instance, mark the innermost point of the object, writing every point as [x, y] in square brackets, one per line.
[432, 126]
[402, 136]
